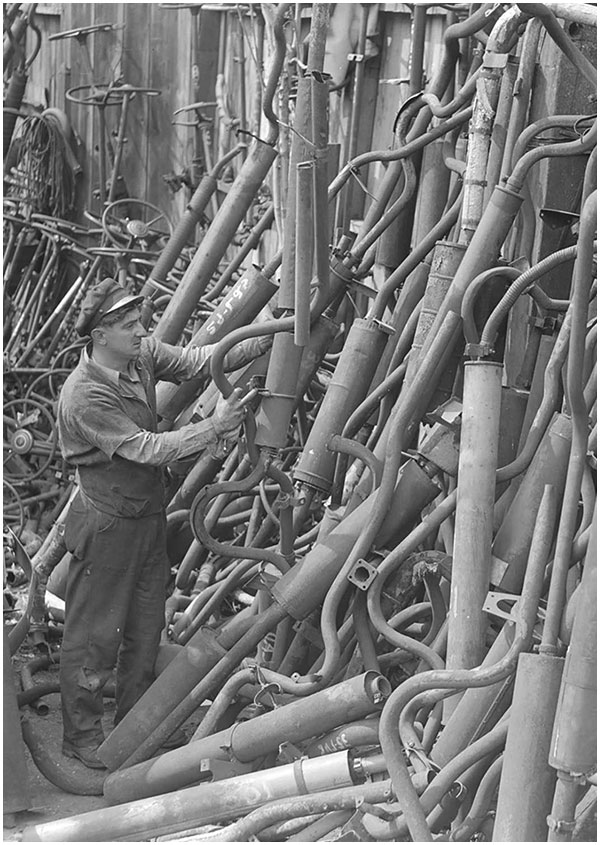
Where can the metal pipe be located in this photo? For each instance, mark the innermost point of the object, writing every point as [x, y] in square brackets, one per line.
[527, 782]
[203, 804]
[560, 37]
[329, 802]
[452, 679]
[249, 740]
[238, 309]
[573, 746]
[473, 525]
[250, 242]
[347, 388]
[185, 227]
[521, 92]
[160, 711]
[481, 803]
[304, 250]
[582, 279]
[218, 237]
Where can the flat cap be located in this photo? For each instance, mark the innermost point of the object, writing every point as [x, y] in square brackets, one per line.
[102, 299]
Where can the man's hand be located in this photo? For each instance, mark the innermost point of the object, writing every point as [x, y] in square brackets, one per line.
[228, 414]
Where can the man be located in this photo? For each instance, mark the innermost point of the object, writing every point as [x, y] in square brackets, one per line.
[116, 526]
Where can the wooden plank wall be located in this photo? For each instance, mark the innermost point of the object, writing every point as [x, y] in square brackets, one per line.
[180, 52]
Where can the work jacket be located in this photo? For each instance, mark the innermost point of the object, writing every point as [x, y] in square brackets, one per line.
[100, 410]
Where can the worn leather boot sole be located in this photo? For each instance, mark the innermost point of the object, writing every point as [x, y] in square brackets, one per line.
[86, 755]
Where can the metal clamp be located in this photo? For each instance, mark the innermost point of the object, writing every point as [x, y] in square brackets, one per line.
[560, 825]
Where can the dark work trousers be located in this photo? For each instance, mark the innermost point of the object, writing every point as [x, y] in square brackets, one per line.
[115, 599]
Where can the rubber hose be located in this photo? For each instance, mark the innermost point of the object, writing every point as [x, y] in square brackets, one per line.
[76, 783]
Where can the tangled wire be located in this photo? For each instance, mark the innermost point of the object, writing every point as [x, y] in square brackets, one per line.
[43, 178]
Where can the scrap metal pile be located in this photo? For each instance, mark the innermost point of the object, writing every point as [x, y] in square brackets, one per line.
[384, 592]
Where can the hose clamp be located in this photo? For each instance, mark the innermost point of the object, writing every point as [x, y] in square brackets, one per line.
[299, 776]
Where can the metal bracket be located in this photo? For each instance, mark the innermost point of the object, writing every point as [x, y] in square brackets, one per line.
[213, 770]
[385, 327]
[309, 632]
[288, 753]
[560, 825]
[492, 605]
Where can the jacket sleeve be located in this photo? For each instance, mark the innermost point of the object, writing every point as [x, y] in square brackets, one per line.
[181, 363]
[101, 423]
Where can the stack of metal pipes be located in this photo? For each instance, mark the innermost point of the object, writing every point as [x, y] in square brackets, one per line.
[384, 593]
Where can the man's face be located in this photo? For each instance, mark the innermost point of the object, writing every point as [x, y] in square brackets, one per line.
[124, 338]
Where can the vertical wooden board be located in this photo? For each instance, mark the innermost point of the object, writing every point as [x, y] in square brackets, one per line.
[43, 71]
[205, 62]
[393, 66]
[83, 118]
[166, 143]
[367, 109]
[136, 67]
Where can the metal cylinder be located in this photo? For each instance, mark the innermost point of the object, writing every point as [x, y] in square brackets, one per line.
[433, 189]
[573, 747]
[527, 781]
[179, 677]
[220, 234]
[475, 706]
[275, 412]
[239, 308]
[250, 740]
[513, 538]
[482, 252]
[480, 427]
[445, 262]
[304, 250]
[304, 587]
[299, 152]
[321, 334]
[209, 803]
[512, 412]
[348, 387]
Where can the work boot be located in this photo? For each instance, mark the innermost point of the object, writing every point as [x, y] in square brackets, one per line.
[86, 754]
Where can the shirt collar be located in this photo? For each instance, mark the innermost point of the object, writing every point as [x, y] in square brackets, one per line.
[112, 376]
